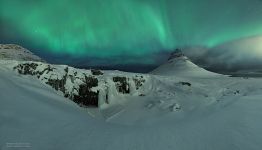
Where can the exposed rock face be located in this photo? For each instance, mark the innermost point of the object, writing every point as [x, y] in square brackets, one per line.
[57, 84]
[96, 72]
[86, 96]
[122, 84]
[185, 83]
[27, 69]
[139, 81]
[84, 87]
[83, 96]
[30, 69]
[177, 53]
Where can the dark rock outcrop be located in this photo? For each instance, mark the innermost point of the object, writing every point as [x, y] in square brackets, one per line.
[30, 69]
[96, 72]
[85, 96]
[78, 85]
[185, 83]
[122, 84]
[177, 53]
[27, 68]
[57, 84]
[139, 81]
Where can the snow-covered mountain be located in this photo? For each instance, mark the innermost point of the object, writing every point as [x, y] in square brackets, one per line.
[38, 109]
[16, 52]
[180, 65]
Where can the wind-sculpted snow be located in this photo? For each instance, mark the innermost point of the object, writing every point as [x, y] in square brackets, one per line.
[85, 87]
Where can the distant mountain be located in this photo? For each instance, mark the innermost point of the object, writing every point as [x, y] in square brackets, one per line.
[16, 52]
[180, 65]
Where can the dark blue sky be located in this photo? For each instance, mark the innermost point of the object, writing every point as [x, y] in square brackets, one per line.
[131, 34]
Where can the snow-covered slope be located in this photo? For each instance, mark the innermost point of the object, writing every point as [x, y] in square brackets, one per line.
[218, 113]
[16, 52]
[136, 111]
[180, 65]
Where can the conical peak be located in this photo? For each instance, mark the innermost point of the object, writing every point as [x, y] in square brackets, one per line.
[176, 54]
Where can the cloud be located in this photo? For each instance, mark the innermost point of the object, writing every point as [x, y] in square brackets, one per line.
[239, 55]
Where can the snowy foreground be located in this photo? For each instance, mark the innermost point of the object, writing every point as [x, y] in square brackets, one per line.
[212, 113]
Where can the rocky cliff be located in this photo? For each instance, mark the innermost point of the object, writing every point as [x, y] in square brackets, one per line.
[85, 87]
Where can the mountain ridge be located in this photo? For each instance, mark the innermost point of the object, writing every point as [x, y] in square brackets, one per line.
[17, 52]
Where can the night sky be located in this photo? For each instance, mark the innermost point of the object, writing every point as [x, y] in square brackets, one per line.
[131, 32]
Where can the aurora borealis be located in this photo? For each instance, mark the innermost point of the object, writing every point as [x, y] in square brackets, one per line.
[130, 29]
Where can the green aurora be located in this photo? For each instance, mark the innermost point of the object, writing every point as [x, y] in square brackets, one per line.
[106, 28]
